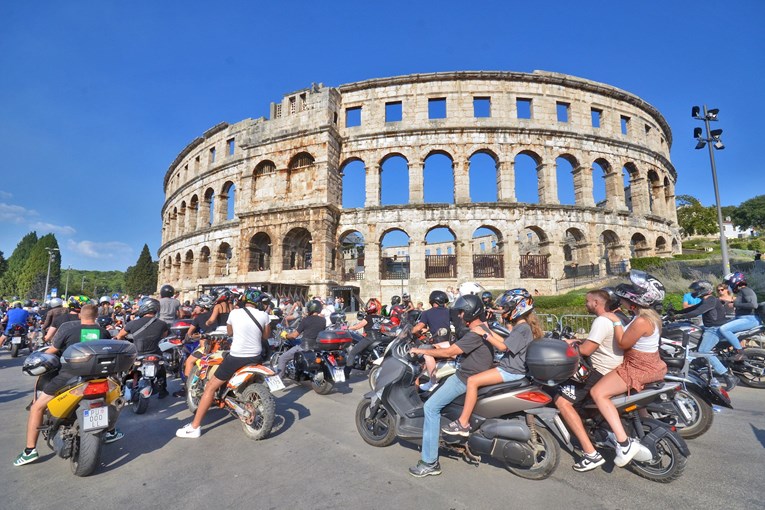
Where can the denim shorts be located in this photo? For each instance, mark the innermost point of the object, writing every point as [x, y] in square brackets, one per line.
[508, 376]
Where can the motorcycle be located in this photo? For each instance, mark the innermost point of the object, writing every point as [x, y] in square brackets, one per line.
[510, 422]
[19, 340]
[75, 421]
[247, 395]
[324, 365]
[176, 348]
[143, 381]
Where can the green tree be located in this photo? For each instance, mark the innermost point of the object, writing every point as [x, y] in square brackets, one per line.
[142, 277]
[3, 265]
[31, 280]
[16, 263]
[694, 218]
[750, 214]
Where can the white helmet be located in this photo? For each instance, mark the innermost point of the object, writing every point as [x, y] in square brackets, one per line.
[104, 299]
[56, 302]
[468, 288]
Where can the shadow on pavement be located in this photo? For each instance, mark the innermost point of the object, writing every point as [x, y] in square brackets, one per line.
[759, 434]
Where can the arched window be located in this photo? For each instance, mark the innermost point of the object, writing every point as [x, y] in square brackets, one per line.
[354, 184]
[193, 212]
[639, 246]
[527, 177]
[300, 173]
[442, 264]
[264, 179]
[203, 270]
[564, 172]
[223, 260]
[488, 259]
[394, 180]
[352, 255]
[188, 265]
[259, 258]
[600, 168]
[394, 255]
[209, 206]
[629, 174]
[612, 252]
[534, 249]
[661, 246]
[483, 177]
[228, 199]
[438, 179]
[296, 249]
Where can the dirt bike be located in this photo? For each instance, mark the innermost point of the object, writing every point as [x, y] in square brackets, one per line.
[75, 421]
[247, 395]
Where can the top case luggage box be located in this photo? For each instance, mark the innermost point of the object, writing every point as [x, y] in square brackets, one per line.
[333, 340]
[551, 361]
[99, 357]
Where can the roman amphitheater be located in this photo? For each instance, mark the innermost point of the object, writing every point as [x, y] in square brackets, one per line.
[262, 201]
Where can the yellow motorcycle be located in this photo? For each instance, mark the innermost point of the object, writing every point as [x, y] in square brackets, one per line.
[77, 417]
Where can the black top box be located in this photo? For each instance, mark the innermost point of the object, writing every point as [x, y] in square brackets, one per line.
[551, 361]
[99, 357]
[333, 340]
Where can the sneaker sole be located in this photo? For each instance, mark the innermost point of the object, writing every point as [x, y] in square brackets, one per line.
[24, 462]
[589, 467]
[423, 475]
[623, 460]
[455, 433]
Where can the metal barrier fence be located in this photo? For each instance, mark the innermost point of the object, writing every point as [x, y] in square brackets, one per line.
[549, 321]
[579, 324]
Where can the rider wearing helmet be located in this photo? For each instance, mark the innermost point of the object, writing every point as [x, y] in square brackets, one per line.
[370, 322]
[397, 310]
[222, 308]
[745, 305]
[105, 307]
[15, 315]
[712, 313]
[309, 328]
[168, 304]
[146, 331]
[478, 357]
[517, 306]
[56, 309]
[641, 363]
[249, 327]
[406, 302]
[71, 333]
[437, 321]
[74, 304]
[198, 327]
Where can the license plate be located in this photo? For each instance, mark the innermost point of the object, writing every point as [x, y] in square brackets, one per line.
[96, 418]
[149, 370]
[338, 374]
[275, 383]
[16, 340]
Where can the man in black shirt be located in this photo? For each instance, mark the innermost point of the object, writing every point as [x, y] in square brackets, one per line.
[310, 327]
[478, 357]
[73, 314]
[146, 331]
[437, 319]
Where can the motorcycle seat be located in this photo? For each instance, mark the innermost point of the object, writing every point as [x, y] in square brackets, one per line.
[750, 332]
[674, 362]
[496, 389]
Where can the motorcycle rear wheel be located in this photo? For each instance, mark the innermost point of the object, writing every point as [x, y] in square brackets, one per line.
[547, 456]
[669, 465]
[14, 350]
[702, 415]
[757, 359]
[194, 392]
[376, 430]
[86, 453]
[257, 399]
[321, 384]
[140, 404]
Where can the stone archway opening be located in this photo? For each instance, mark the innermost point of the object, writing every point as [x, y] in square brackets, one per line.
[484, 177]
[394, 180]
[394, 255]
[188, 265]
[259, 253]
[612, 254]
[352, 255]
[534, 246]
[438, 178]
[565, 166]
[440, 253]
[203, 270]
[527, 177]
[223, 260]
[661, 246]
[488, 259]
[264, 180]
[353, 173]
[296, 249]
[639, 246]
[600, 169]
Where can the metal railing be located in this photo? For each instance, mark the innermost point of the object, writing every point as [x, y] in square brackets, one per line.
[534, 266]
[579, 324]
[488, 266]
[440, 266]
[581, 271]
[549, 321]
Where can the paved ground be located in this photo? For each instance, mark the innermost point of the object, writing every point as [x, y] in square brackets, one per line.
[316, 459]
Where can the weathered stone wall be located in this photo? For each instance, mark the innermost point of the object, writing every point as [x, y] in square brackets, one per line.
[287, 173]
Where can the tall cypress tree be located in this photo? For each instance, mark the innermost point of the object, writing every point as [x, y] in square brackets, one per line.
[31, 281]
[16, 262]
[142, 277]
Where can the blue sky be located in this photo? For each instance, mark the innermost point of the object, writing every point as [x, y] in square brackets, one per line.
[98, 97]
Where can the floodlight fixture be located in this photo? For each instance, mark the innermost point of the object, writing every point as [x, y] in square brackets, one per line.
[712, 114]
[697, 133]
[695, 112]
[715, 134]
[719, 145]
[701, 144]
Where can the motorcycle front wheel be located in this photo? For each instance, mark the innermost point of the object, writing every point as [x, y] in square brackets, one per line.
[374, 373]
[258, 401]
[376, 429]
[546, 458]
[86, 453]
[752, 371]
[666, 466]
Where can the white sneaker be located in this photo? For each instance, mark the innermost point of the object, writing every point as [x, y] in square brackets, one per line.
[625, 455]
[189, 431]
[428, 386]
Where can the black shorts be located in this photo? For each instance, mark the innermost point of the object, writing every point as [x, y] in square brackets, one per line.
[52, 384]
[577, 393]
[231, 364]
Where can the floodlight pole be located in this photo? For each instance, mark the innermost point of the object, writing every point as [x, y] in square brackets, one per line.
[50, 251]
[723, 240]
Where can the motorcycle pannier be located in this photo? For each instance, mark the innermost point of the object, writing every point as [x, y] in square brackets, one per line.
[333, 340]
[306, 360]
[551, 361]
[99, 357]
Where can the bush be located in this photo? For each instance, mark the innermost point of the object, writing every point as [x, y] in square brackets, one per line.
[691, 256]
[644, 263]
[570, 303]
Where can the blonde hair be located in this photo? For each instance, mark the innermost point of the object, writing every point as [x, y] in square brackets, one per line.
[533, 321]
[650, 315]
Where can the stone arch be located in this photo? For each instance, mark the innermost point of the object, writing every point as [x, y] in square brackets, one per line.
[488, 257]
[601, 170]
[182, 218]
[193, 212]
[440, 252]
[208, 208]
[223, 260]
[613, 252]
[352, 253]
[264, 181]
[566, 167]
[575, 247]
[661, 245]
[668, 195]
[655, 194]
[527, 183]
[188, 265]
[177, 267]
[438, 177]
[203, 268]
[675, 246]
[630, 174]
[259, 253]
[227, 199]
[353, 172]
[394, 179]
[296, 249]
[394, 254]
[174, 222]
[168, 268]
[639, 246]
[300, 173]
[484, 176]
[534, 247]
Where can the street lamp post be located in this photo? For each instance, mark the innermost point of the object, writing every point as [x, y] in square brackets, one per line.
[51, 252]
[82, 285]
[66, 289]
[713, 141]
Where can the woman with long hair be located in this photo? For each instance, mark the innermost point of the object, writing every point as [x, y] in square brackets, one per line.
[641, 363]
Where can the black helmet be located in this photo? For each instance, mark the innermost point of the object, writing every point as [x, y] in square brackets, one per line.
[439, 297]
[395, 300]
[486, 297]
[614, 301]
[471, 305]
[150, 305]
[166, 291]
[28, 303]
[40, 363]
[644, 290]
[264, 301]
[205, 302]
[313, 306]
[222, 294]
[700, 288]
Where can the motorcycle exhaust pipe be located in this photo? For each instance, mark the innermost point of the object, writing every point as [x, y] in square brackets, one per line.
[119, 403]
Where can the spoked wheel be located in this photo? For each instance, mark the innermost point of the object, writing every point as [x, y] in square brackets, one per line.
[546, 457]
[667, 465]
[261, 407]
[752, 371]
[696, 415]
[374, 425]
[275, 359]
[194, 389]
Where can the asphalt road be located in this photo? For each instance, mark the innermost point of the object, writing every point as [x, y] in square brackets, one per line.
[315, 459]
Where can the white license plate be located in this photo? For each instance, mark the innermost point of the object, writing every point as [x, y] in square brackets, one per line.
[275, 383]
[338, 374]
[96, 418]
[149, 370]
[16, 340]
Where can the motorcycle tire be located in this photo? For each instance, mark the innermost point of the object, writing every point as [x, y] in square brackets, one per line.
[669, 465]
[86, 453]
[14, 350]
[756, 341]
[701, 412]
[756, 358]
[274, 361]
[140, 405]
[193, 392]
[378, 430]
[374, 373]
[257, 398]
[321, 384]
[547, 456]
